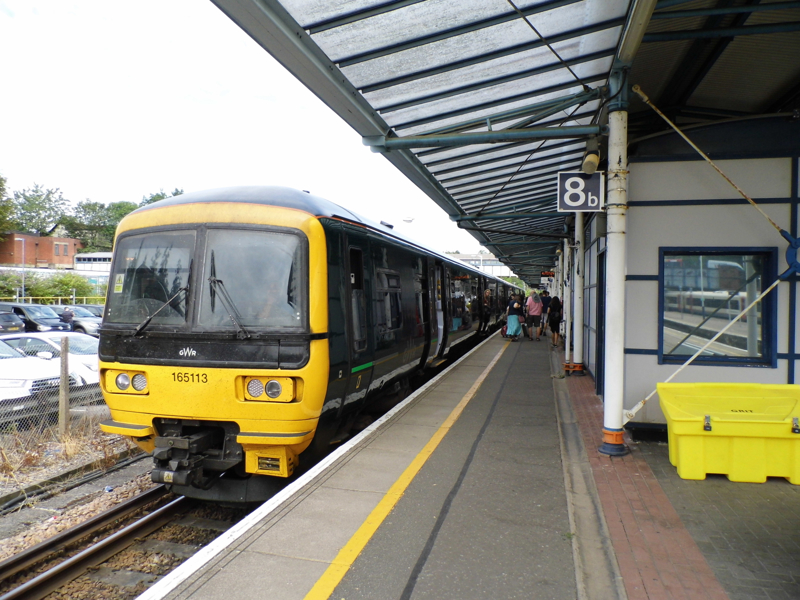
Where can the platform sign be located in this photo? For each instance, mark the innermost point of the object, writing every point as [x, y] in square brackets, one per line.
[579, 192]
[548, 273]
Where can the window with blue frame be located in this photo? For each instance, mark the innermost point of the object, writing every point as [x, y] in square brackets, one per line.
[701, 290]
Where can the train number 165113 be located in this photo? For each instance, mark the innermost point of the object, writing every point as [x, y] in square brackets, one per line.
[190, 377]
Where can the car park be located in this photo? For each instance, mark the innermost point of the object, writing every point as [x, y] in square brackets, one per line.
[83, 321]
[36, 317]
[10, 323]
[83, 363]
[95, 309]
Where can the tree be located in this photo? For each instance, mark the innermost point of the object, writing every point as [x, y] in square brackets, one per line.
[115, 212]
[6, 210]
[161, 195]
[10, 282]
[37, 210]
[60, 286]
[94, 223]
[87, 223]
[515, 281]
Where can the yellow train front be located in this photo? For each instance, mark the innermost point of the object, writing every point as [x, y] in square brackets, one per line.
[243, 325]
[213, 351]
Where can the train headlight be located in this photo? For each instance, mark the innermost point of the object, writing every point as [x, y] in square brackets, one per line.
[139, 382]
[255, 388]
[274, 389]
[269, 389]
[123, 381]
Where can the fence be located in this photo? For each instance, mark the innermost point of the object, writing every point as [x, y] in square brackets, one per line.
[48, 398]
[55, 299]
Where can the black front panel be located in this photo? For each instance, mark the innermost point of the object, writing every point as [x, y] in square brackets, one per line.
[192, 351]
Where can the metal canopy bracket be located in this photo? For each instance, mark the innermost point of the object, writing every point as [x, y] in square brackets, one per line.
[380, 143]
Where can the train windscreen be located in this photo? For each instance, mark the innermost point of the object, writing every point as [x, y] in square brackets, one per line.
[150, 278]
[253, 278]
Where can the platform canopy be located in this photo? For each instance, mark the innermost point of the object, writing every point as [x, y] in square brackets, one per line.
[481, 102]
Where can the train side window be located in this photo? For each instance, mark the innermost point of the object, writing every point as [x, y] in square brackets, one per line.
[702, 290]
[389, 311]
[358, 301]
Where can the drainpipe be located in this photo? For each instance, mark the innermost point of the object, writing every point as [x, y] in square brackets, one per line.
[616, 209]
[577, 357]
[566, 301]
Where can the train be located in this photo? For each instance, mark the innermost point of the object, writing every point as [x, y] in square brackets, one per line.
[246, 326]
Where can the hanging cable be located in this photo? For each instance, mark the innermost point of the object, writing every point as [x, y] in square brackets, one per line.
[637, 90]
[549, 47]
[629, 414]
[522, 164]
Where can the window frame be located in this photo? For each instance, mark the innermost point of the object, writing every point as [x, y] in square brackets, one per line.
[769, 308]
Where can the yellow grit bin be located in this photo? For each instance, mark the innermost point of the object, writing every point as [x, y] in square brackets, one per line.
[746, 431]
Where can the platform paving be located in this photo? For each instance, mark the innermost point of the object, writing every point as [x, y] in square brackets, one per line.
[514, 502]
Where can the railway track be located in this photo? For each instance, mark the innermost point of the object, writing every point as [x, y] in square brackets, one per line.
[84, 569]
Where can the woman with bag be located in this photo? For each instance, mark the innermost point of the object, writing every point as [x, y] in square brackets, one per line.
[554, 319]
[513, 313]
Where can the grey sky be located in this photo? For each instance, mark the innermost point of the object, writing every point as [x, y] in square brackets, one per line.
[111, 100]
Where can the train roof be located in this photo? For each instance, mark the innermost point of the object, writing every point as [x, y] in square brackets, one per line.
[299, 200]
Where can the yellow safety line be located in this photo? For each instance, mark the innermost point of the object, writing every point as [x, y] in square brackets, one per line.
[348, 554]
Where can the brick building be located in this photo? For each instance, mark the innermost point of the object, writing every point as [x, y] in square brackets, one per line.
[23, 249]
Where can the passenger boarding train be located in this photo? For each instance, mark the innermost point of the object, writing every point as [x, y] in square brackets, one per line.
[244, 326]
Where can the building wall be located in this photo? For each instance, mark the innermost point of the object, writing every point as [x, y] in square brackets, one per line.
[40, 252]
[687, 204]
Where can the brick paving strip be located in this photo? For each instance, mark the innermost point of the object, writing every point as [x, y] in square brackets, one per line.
[657, 556]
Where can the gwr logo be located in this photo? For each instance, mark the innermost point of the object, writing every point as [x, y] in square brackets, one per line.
[187, 352]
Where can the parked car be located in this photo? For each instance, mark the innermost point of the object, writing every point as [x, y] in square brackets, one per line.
[36, 317]
[22, 375]
[95, 309]
[83, 363]
[9, 322]
[83, 321]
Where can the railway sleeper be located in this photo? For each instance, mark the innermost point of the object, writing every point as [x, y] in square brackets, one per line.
[194, 453]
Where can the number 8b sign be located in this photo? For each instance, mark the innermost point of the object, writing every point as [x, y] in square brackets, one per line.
[579, 192]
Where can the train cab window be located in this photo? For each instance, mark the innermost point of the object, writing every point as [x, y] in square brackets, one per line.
[389, 312]
[701, 292]
[255, 278]
[358, 300]
[149, 278]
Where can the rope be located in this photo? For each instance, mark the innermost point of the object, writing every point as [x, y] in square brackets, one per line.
[629, 414]
[646, 100]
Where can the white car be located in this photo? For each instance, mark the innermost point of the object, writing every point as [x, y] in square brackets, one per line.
[83, 362]
[21, 376]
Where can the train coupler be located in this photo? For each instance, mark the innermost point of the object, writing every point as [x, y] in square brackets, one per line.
[179, 459]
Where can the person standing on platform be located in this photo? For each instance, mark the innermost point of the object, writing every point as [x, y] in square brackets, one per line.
[554, 319]
[534, 307]
[545, 307]
[513, 313]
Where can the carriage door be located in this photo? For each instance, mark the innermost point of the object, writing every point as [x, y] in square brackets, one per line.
[422, 303]
[358, 317]
[441, 309]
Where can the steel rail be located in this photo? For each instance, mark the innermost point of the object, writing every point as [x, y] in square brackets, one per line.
[49, 581]
[36, 553]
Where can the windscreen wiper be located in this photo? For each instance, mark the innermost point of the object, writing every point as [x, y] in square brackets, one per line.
[146, 322]
[217, 286]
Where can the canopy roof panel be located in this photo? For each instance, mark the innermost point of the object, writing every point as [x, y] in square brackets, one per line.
[481, 102]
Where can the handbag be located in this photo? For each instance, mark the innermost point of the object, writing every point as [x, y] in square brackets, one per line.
[521, 319]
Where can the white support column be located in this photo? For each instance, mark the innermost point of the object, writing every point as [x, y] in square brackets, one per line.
[566, 301]
[616, 204]
[578, 279]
